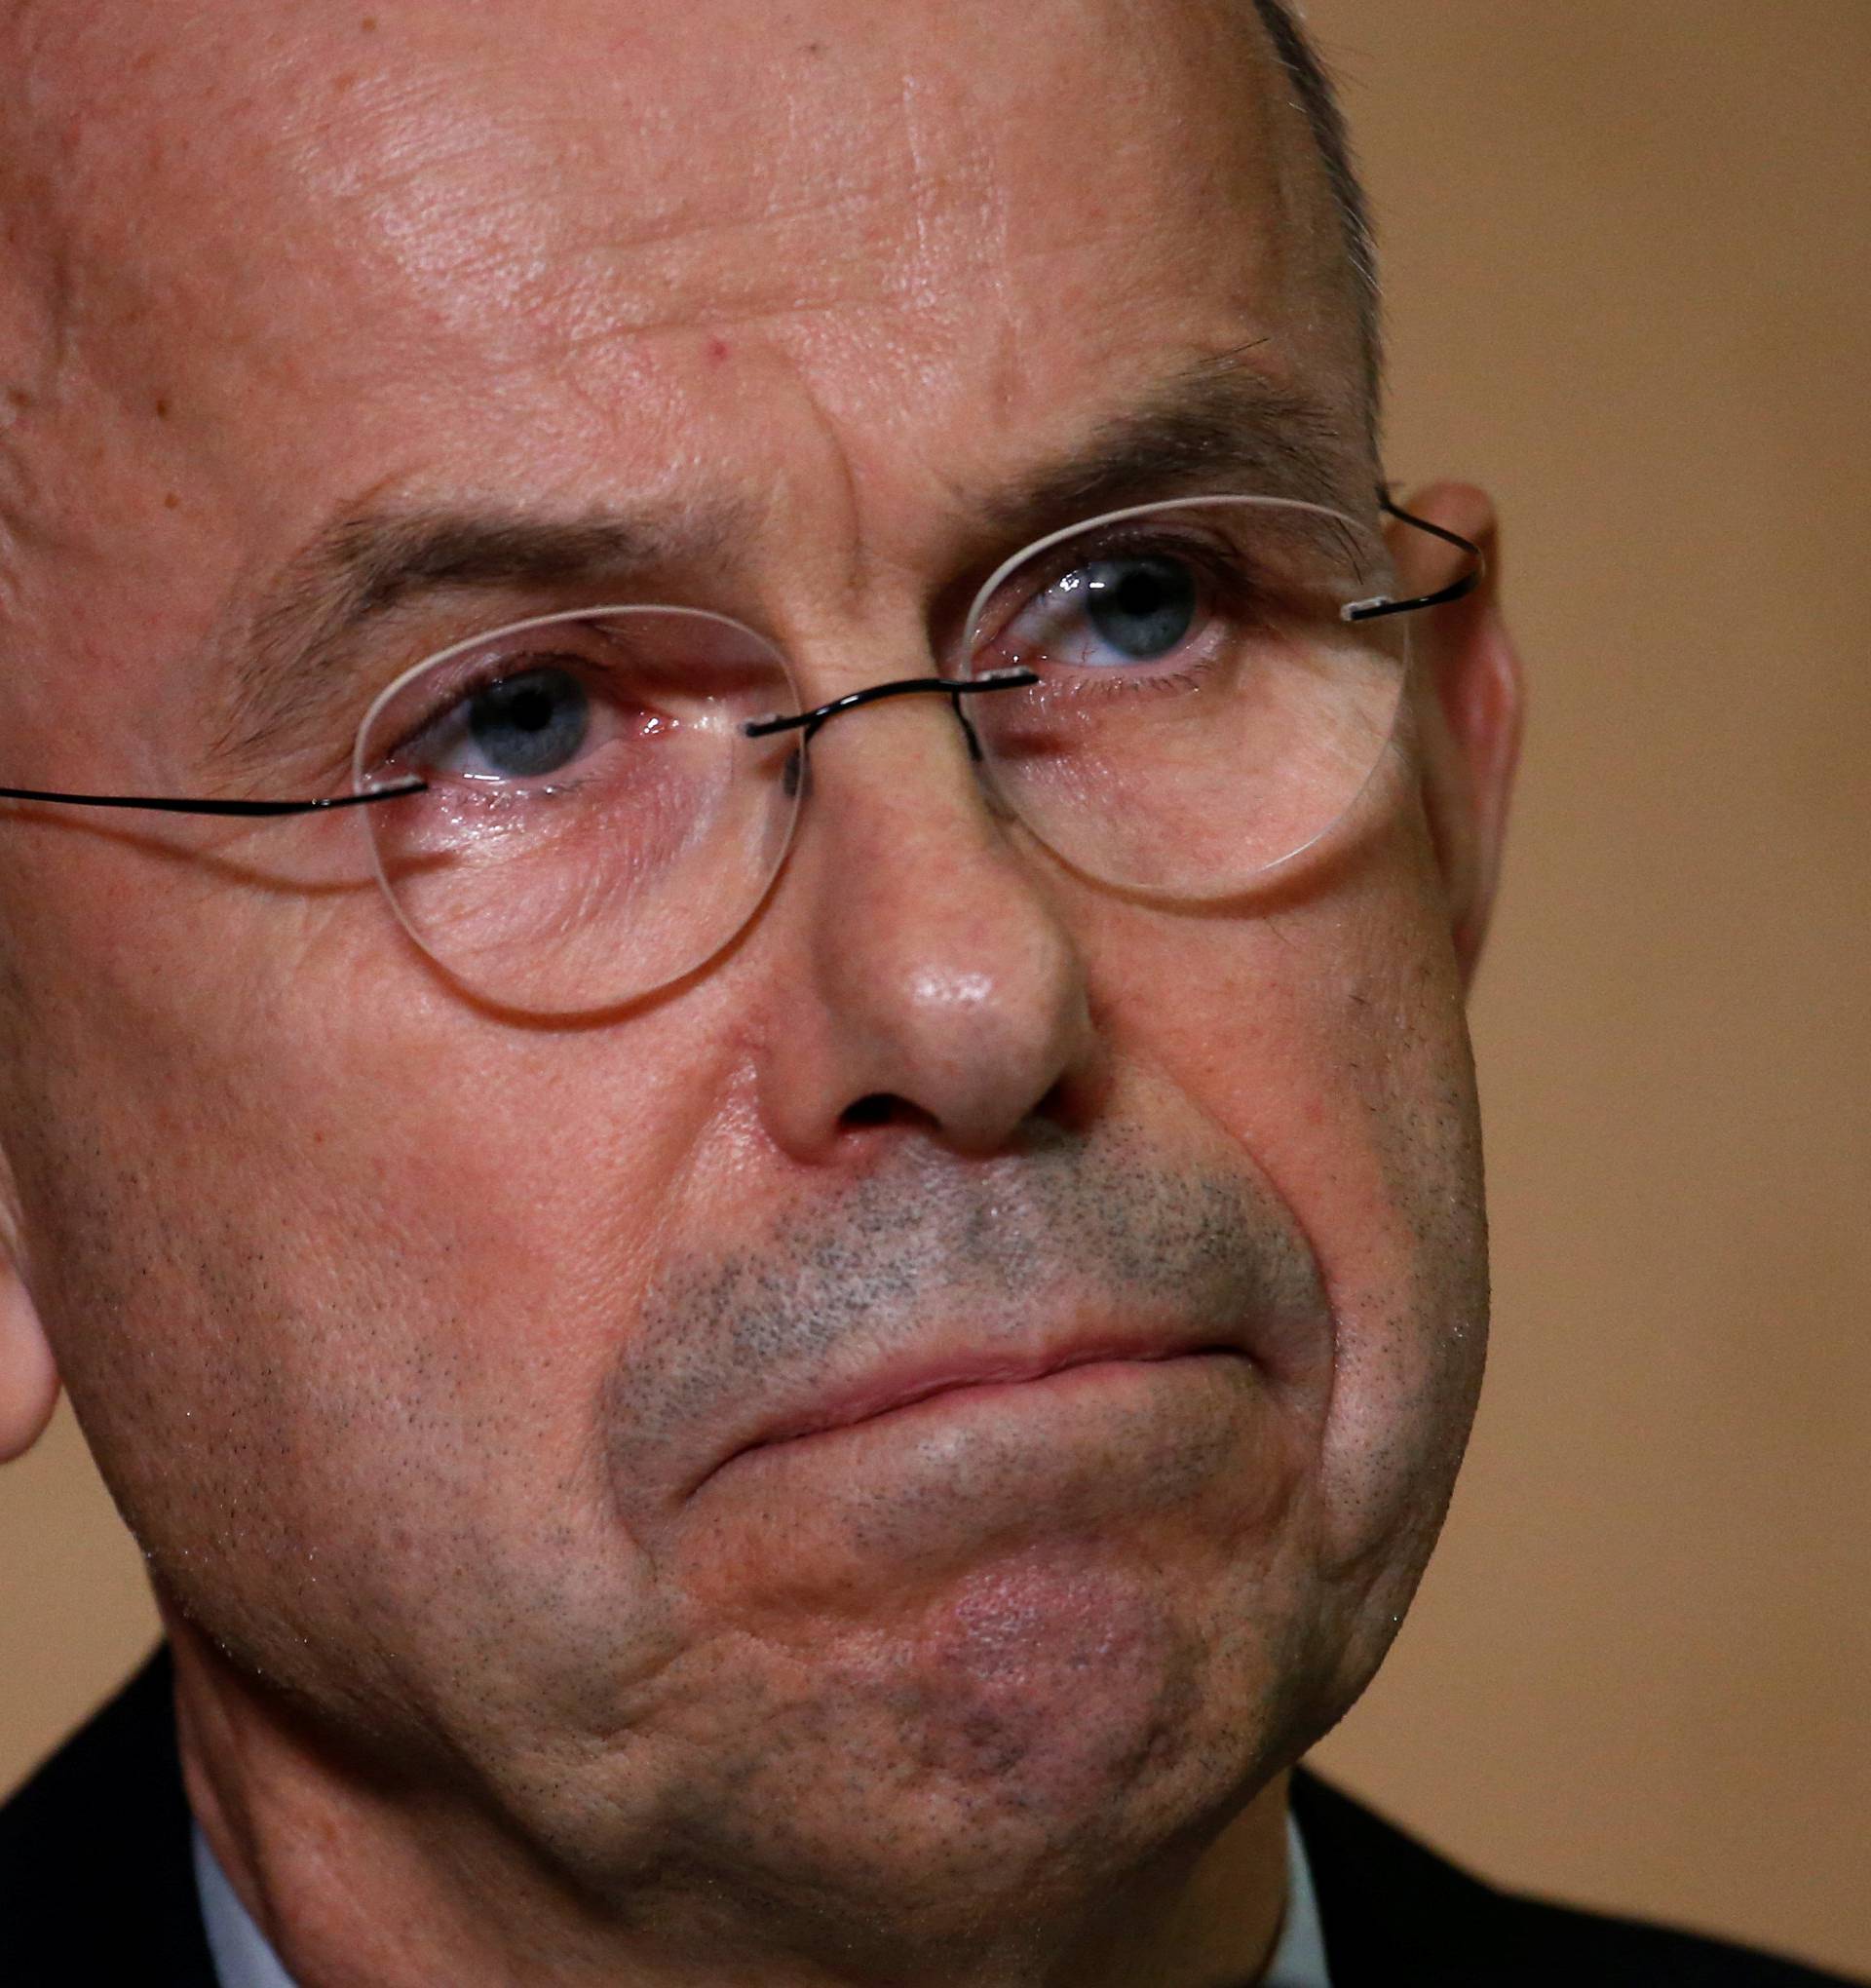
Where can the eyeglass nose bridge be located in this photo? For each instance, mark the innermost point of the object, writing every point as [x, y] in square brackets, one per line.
[814, 721]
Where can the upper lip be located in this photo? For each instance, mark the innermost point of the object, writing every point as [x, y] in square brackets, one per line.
[917, 1374]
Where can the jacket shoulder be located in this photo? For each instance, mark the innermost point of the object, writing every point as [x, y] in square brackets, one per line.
[1396, 1912]
[96, 1875]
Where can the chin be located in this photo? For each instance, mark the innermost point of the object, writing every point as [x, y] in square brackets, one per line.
[1044, 1730]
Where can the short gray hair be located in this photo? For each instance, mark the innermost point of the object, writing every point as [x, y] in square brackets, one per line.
[1317, 99]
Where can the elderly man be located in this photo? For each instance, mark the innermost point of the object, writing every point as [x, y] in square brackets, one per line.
[793, 1296]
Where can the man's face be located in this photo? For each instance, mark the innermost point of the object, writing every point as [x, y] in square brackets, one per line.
[449, 1366]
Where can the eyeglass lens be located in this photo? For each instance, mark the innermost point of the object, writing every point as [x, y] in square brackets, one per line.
[598, 822]
[1203, 711]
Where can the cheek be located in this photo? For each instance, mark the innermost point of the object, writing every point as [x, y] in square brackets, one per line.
[1328, 1040]
[336, 1298]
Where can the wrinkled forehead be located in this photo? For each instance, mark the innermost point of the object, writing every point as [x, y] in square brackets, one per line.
[257, 231]
[497, 165]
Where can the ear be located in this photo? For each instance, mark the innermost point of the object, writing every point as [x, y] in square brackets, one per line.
[29, 1374]
[1468, 692]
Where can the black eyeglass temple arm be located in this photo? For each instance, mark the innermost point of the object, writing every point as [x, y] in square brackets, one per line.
[183, 806]
[1383, 603]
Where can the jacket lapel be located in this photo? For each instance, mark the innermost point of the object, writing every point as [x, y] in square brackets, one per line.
[97, 1883]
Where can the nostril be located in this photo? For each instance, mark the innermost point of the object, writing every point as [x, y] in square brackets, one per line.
[883, 1108]
[1058, 1107]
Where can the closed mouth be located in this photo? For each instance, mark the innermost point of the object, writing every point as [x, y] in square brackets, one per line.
[873, 1399]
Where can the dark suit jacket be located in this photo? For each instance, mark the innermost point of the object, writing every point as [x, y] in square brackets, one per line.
[96, 1889]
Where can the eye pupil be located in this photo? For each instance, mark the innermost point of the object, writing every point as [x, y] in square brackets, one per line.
[531, 710]
[1142, 608]
[530, 725]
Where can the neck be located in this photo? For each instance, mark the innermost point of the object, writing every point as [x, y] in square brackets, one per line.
[355, 1881]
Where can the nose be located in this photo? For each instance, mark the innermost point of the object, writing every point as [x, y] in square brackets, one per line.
[930, 981]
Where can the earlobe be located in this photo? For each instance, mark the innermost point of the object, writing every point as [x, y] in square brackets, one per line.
[29, 1374]
[1469, 701]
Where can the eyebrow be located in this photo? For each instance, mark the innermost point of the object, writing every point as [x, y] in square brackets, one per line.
[372, 559]
[1219, 426]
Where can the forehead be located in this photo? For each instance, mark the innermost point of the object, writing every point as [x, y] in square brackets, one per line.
[302, 252]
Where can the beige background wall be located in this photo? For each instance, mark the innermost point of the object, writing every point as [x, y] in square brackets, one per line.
[1629, 263]
[1628, 250]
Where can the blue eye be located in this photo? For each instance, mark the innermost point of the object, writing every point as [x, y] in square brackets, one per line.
[527, 726]
[1109, 614]
[1143, 607]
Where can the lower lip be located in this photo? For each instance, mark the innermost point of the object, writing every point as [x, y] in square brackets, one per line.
[1091, 1384]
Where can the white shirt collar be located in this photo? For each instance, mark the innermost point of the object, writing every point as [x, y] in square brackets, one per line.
[1299, 1960]
[243, 1957]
